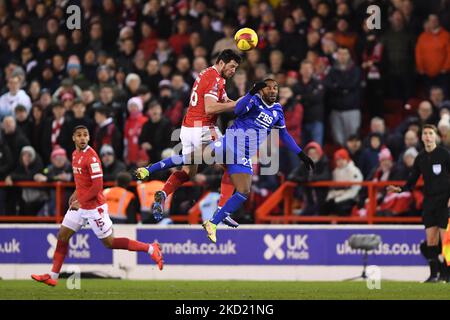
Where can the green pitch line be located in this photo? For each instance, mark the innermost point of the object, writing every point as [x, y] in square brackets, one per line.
[227, 290]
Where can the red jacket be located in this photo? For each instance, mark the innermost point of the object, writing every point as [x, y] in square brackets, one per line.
[148, 45]
[133, 127]
[293, 119]
[433, 52]
[178, 42]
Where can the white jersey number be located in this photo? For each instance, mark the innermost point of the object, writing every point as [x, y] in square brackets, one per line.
[194, 96]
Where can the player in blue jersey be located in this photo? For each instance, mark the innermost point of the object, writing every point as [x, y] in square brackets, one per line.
[257, 114]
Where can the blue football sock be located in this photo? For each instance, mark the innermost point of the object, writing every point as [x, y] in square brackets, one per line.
[167, 163]
[233, 204]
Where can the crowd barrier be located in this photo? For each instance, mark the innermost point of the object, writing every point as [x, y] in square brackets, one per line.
[284, 195]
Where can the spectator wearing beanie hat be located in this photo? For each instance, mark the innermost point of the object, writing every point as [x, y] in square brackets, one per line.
[29, 164]
[133, 128]
[386, 169]
[59, 169]
[340, 201]
[74, 72]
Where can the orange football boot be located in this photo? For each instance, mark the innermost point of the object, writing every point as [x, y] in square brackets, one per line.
[45, 278]
[157, 255]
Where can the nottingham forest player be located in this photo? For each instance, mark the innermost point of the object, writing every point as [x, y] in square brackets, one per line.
[87, 205]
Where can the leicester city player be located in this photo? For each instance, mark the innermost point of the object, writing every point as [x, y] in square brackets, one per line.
[257, 114]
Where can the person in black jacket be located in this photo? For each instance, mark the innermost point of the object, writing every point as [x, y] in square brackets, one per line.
[51, 134]
[107, 132]
[354, 148]
[6, 165]
[156, 132]
[344, 97]
[23, 121]
[434, 164]
[310, 93]
[314, 197]
[13, 137]
[60, 169]
[30, 164]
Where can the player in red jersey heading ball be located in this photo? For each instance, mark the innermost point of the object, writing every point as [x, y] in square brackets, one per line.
[208, 99]
[87, 205]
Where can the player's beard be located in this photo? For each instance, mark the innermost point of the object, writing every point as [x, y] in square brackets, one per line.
[82, 147]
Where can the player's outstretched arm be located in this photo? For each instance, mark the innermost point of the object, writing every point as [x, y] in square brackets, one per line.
[292, 145]
[243, 104]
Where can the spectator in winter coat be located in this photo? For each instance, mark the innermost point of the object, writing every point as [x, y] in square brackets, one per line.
[344, 97]
[154, 137]
[132, 131]
[51, 134]
[406, 164]
[398, 48]
[29, 164]
[354, 149]
[13, 137]
[341, 200]
[369, 156]
[106, 132]
[6, 166]
[13, 97]
[60, 169]
[311, 93]
[433, 54]
[111, 166]
[313, 197]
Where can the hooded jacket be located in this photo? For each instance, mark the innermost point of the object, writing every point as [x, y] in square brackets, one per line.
[348, 173]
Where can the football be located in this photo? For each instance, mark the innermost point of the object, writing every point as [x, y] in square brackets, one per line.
[246, 39]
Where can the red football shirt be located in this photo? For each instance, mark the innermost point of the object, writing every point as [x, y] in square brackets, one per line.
[208, 83]
[87, 167]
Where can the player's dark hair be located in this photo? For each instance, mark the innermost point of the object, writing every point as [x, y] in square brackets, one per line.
[270, 79]
[228, 55]
[123, 179]
[430, 126]
[78, 128]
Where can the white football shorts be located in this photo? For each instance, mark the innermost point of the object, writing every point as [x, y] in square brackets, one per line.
[193, 138]
[97, 218]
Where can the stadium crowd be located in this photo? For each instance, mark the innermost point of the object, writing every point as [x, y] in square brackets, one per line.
[354, 98]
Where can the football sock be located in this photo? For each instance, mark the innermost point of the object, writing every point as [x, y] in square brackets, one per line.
[54, 275]
[175, 180]
[233, 204]
[433, 260]
[442, 267]
[167, 163]
[226, 189]
[131, 245]
[58, 258]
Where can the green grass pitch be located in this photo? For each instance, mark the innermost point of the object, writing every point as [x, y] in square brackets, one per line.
[218, 290]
